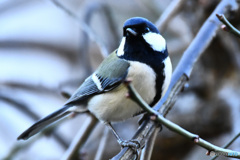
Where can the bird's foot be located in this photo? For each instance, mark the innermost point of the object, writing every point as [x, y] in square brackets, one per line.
[133, 143]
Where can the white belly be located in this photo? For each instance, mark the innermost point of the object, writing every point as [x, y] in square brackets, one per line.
[114, 106]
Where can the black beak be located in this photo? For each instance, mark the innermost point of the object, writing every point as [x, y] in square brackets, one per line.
[131, 31]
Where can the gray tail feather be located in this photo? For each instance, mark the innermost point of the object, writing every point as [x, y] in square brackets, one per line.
[42, 123]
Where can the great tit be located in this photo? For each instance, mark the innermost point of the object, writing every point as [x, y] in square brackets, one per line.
[142, 56]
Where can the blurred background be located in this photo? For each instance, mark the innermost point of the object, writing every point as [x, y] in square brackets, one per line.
[45, 53]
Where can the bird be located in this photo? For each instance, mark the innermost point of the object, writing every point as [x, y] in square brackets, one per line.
[142, 56]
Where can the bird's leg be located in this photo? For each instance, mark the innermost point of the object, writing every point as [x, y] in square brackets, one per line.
[134, 144]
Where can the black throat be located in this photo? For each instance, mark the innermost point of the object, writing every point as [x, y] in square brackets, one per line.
[136, 49]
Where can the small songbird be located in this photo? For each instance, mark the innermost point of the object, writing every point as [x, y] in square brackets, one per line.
[142, 56]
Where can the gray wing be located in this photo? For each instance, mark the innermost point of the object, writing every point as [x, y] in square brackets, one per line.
[110, 74]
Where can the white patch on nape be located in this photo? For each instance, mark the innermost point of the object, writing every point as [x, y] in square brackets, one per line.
[167, 73]
[120, 51]
[156, 41]
[97, 81]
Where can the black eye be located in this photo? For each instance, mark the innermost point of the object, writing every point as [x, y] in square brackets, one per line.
[147, 29]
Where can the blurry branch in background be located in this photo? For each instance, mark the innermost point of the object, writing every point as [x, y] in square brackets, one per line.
[180, 75]
[84, 55]
[25, 109]
[91, 9]
[102, 145]
[79, 140]
[228, 26]
[18, 147]
[232, 46]
[147, 151]
[227, 144]
[84, 27]
[91, 122]
[58, 49]
[95, 8]
[6, 5]
[158, 118]
[173, 8]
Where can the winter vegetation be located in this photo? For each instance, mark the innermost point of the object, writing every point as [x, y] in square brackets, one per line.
[48, 47]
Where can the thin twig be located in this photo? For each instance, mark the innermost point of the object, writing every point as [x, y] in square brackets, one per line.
[148, 149]
[110, 27]
[176, 128]
[227, 144]
[81, 137]
[173, 8]
[182, 72]
[84, 27]
[94, 8]
[18, 146]
[102, 145]
[62, 50]
[199, 44]
[229, 26]
[25, 109]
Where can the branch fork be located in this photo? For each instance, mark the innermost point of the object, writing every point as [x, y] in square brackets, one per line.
[157, 117]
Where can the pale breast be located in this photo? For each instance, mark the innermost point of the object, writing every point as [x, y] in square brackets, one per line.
[114, 106]
[144, 80]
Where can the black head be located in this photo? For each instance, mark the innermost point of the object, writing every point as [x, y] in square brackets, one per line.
[138, 26]
[141, 38]
[143, 43]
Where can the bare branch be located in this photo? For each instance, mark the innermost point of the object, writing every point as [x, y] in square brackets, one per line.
[94, 8]
[102, 145]
[141, 135]
[57, 49]
[198, 46]
[25, 109]
[148, 149]
[81, 137]
[228, 144]
[84, 27]
[176, 128]
[173, 8]
[229, 26]
[182, 72]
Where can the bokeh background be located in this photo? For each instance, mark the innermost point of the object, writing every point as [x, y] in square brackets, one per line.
[44, 53]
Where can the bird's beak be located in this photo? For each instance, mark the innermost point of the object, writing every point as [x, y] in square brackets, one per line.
[131, 31]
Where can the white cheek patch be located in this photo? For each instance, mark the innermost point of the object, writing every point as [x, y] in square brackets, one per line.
[120, 51]
[156, 41]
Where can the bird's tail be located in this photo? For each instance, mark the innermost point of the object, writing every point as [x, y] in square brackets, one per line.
[42, 123]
